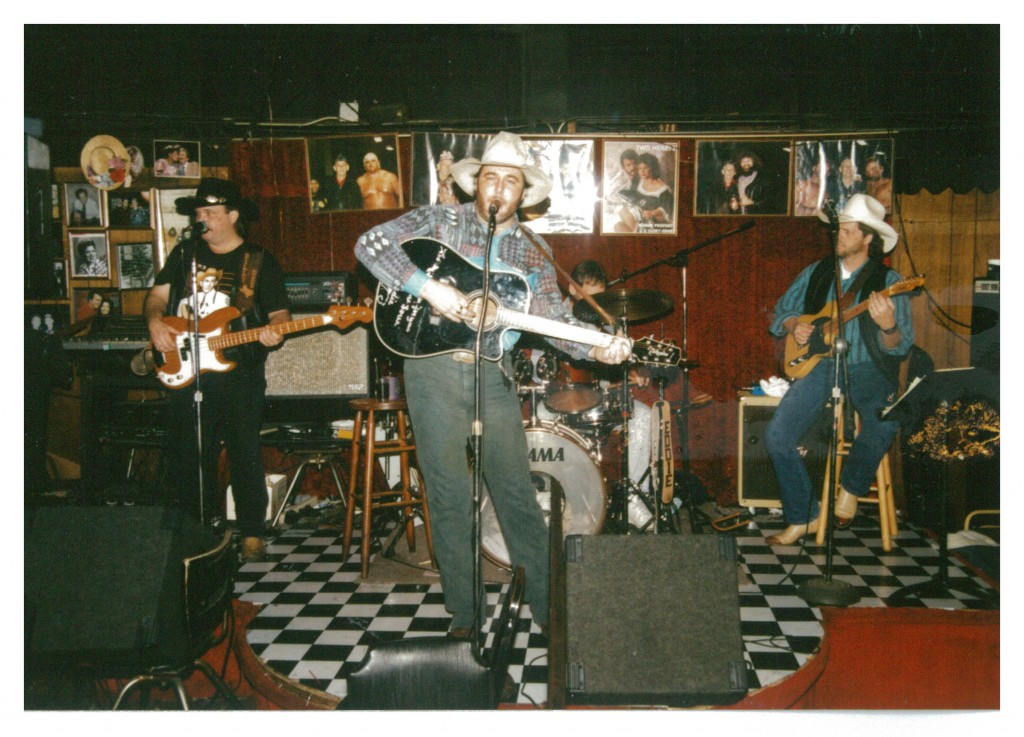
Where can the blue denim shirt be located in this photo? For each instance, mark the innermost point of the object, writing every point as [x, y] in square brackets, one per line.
[791, 304]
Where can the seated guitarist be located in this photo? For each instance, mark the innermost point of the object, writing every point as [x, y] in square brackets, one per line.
[440, 388]
[249, 278]
[877, 340]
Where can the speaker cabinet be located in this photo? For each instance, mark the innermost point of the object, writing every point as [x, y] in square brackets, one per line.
[756, 481]
[653, 620]
[324, 362]
[106, 584]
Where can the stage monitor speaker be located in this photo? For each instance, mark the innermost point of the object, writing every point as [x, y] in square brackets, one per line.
[985, 324]
[106, 584]
[653, 620]
[756, 482]
[325, 362]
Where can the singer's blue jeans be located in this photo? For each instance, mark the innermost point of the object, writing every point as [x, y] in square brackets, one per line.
[870, 391]
[440, 395]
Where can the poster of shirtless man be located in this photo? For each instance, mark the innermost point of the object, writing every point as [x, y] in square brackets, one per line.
[354, 173]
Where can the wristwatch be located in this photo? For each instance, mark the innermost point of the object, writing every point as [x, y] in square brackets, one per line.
[891, 330]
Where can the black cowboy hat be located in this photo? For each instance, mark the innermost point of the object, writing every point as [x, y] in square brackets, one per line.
[213, 191]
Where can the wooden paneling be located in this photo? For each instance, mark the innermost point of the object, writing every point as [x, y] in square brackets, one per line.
[949, 238]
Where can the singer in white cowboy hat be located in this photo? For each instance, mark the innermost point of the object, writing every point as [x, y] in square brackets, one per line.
[878, 339]
[439, 388]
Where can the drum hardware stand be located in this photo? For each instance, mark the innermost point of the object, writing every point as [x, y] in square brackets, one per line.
[681, 260]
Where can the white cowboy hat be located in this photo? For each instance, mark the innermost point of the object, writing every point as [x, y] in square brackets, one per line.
[505, 149]
[862, 208]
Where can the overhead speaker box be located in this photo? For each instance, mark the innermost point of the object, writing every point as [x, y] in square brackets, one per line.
[653, 620]
[756, 480]
[106, 584]
[322, 363]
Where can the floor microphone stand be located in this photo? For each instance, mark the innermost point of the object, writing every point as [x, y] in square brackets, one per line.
[197, 381]
[824, 590]
[477, 432]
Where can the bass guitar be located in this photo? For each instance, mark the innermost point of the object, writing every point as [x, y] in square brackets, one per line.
[176, 369]
[410, 327]
[800, 359]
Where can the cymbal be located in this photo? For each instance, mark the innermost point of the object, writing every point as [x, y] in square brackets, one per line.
[637, 305]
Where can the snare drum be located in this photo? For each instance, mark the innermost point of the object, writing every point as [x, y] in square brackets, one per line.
[558, 456]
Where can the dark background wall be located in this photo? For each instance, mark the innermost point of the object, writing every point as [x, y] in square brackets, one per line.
[937, 85]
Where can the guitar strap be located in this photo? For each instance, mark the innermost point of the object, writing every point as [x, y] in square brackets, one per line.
[245, 289]
[572, 282]
[851, 294]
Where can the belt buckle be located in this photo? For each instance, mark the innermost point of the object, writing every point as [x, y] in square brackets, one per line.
[462, 356]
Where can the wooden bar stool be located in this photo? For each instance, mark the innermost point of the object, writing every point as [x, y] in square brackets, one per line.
[366, 449]
[881, 493]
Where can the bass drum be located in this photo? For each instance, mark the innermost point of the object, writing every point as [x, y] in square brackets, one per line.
[558, 458]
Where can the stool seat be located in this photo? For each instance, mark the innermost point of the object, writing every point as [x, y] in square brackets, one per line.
[368, 404]
[409, 499]
[881, 493]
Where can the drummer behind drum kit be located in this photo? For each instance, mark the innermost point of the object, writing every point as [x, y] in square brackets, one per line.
[577, 438]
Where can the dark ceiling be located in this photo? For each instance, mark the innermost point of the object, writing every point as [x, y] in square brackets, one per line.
[938, 86]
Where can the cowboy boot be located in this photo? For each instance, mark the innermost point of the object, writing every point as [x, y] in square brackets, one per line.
[793, 533]
[845, 509]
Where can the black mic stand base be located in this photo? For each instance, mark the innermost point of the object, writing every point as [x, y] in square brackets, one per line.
[822, 591]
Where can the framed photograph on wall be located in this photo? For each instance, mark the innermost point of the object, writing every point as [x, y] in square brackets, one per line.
[570, 206]
[354, 173]
[168, 223]
[135, 265]
[432, 157]
[129, 208]
[180, 159]
[742, 178]
[89, 255]
[638, 184]
[837, 169]
[99, 301]
[60, 279]
[83, 206]
[46, 318]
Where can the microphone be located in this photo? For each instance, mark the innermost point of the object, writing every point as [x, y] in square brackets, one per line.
[197, 228]
[493, 212]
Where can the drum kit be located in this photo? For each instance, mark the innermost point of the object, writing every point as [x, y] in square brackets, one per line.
[578, 434]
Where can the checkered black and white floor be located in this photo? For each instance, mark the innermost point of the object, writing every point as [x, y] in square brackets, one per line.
[318, 618]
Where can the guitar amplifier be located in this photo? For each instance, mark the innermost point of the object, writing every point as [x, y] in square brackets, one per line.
[756, 481]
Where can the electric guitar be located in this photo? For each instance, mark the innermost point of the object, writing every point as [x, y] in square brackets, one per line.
[175, 369]
[410, 327]
[800, 359]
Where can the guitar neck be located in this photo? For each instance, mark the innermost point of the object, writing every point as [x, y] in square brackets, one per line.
[551, 328]
[229, 340]
[851, 312]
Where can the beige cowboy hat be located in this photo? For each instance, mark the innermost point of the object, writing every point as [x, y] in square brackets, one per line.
[862, 208]
[505, 149]
[218, 274]
[105, 162]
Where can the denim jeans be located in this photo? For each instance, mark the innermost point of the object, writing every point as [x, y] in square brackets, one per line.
[440, 395]
[869, 391]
